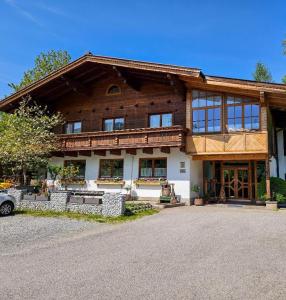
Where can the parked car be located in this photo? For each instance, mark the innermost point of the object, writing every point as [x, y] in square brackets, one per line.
[7, 204]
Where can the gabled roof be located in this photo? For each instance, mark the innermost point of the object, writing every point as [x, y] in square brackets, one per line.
[118, 62]
[186, 74]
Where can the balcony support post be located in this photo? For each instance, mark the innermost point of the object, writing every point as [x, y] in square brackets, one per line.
[267, 175]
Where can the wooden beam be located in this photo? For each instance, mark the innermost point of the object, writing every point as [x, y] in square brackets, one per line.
[115, 151]
[71, 153]
[75, 85]
[148, 150]
[267, 175]
[262, 98]
[123, 77]
[222, 157]
[85, 152]
[58, 154]
[131, 151]
[165, 149]
[100, 152]
[176, 83]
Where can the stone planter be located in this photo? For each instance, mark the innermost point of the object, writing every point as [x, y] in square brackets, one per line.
[199, 201]
[272, 205]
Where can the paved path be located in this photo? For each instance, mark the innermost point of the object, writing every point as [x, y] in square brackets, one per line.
[181, 253]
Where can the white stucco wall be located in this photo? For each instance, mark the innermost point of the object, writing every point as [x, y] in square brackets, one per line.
[182, 181]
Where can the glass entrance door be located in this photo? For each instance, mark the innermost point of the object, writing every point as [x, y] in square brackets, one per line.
[236, 182]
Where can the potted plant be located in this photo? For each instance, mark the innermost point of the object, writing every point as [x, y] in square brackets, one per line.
[199, 201]
[281, 199]
[53, 171]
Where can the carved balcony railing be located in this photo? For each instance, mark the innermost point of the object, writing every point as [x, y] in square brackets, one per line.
[229, 143]
[124, 139]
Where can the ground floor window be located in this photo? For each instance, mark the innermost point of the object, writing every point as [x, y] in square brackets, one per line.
[111, 168]
[80, 164]
[153, 167]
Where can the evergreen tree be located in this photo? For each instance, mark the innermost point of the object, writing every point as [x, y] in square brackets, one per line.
[262, 73]
[45, 63]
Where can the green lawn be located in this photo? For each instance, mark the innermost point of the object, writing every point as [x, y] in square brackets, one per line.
[88, 217]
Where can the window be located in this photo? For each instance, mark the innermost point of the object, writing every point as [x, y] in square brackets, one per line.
[113, 90]
[206, 112]
[80, 164]
[113, 124]
[111, 168]
[153, 167]
[161, 120]
[73, 127]
[242, 114]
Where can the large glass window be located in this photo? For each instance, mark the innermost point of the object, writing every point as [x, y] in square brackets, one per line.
[111, 168]
[80, 164]
[206, 108]
[242, 114]
[73, 127]
[161, 120]
[156, 167]
[113, 124]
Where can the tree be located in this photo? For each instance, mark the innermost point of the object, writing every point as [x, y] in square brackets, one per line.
[44, 64]
[27, 137]
[262, 73]
[68, 175]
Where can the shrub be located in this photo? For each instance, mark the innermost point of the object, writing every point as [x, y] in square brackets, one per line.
[280, 198]
[278, 187]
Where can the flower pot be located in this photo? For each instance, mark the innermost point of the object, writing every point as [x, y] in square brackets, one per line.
[271, 205]
[199, 201]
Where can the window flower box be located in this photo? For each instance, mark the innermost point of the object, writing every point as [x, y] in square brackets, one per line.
[110, 181]
[73, 182]
[151, 181]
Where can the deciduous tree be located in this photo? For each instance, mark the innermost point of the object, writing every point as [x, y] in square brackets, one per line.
[27, 137]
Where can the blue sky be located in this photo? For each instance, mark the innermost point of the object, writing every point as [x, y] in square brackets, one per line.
[224, 38]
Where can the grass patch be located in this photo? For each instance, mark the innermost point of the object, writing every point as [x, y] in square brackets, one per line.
[88, 217]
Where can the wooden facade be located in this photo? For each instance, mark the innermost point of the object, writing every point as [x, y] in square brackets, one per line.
[93, 89]
[124, 139]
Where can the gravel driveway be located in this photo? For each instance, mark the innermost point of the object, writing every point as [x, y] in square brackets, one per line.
[181, 253]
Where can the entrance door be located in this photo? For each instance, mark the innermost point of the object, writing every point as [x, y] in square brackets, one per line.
[236, 182]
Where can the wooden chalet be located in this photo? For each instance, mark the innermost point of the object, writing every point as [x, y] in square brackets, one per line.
[132, 122]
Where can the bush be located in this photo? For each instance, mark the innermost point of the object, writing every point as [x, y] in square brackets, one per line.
[278, 188]
[280, 198]
[133, 208]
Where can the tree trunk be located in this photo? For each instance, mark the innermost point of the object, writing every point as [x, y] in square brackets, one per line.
[24, 173]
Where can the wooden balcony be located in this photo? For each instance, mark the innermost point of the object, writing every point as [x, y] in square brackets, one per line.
[238, 143]
[124, 139]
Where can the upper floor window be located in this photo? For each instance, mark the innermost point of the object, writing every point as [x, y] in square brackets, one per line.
[73, 127]
[206, 107]
[161, 120]
[113, 124]
[80, 164]
[155, 167]
[242, 114]
[113, 90]
[111, 168]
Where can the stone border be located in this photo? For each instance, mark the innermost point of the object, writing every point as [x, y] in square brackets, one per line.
[113, 204]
